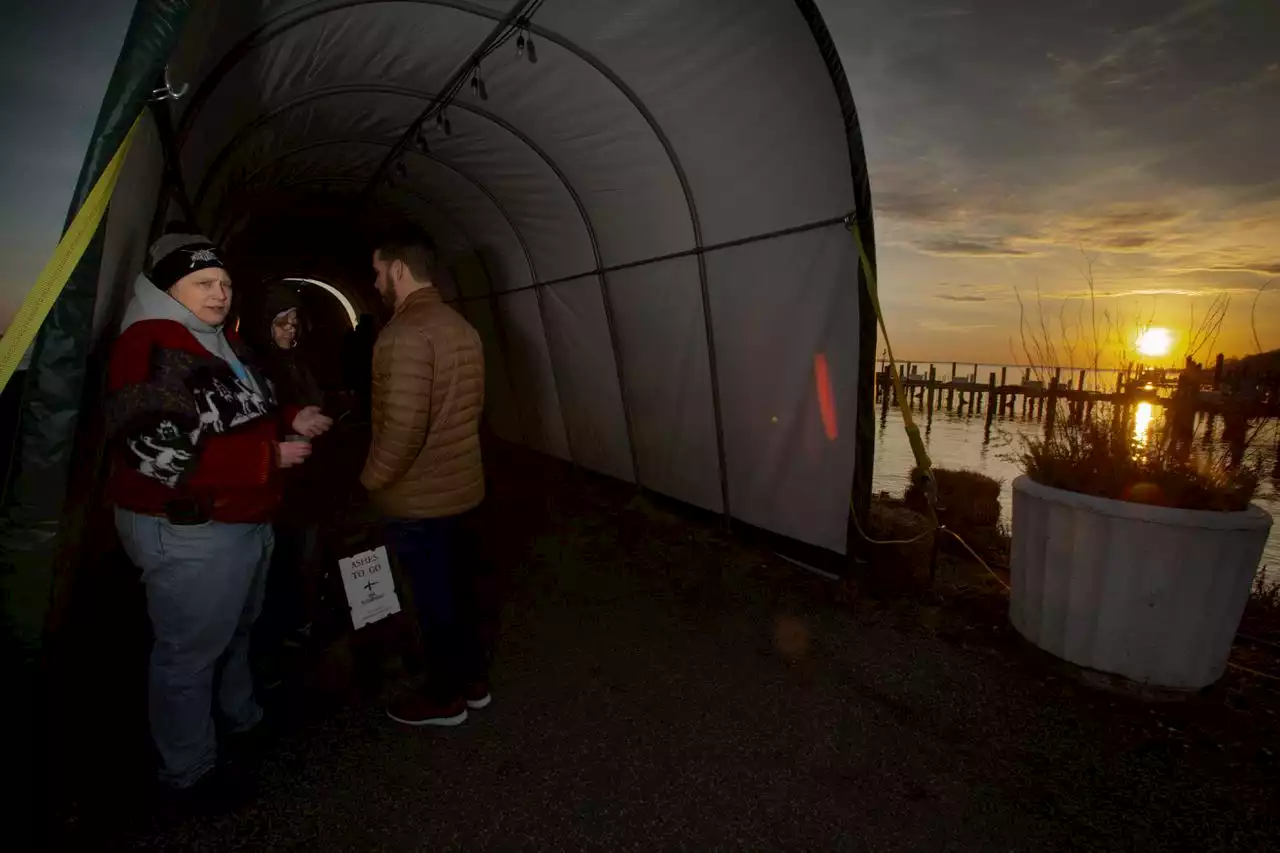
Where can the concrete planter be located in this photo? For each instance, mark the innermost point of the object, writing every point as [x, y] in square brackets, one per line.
[1149, 593]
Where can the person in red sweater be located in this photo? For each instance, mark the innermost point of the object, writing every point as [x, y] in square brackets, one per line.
[198, 450]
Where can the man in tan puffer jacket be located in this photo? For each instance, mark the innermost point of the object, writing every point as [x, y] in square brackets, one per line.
[425, 475]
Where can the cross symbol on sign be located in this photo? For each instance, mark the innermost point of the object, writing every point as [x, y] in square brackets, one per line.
[369, 585]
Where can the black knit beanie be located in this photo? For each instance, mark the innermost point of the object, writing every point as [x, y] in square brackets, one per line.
[181, 253]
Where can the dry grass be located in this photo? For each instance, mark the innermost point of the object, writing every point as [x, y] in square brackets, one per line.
[1097, 457]
[1096, 453]
[969, 505]
[967, 500]
[1262, 613]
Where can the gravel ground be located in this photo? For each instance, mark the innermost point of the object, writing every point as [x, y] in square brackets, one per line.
[661, 687]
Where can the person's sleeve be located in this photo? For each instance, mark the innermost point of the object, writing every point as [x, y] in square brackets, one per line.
[145, 416]
[402, 381]
[130, 362]
[288, 414]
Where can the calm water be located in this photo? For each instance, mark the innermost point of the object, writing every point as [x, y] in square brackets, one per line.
[959, 442]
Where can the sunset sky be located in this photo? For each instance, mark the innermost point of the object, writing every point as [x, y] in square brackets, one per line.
[1004, 138]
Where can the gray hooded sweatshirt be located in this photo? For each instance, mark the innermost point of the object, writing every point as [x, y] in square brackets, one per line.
[151, 303]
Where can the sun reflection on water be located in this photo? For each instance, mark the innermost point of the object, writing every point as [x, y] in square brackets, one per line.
[1143, 416]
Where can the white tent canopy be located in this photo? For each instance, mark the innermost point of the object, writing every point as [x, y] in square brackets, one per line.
[668, 288]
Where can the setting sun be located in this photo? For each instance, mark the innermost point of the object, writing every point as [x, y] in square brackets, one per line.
[1155, 342]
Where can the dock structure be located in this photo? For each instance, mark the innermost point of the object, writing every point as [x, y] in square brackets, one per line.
[1038, 400]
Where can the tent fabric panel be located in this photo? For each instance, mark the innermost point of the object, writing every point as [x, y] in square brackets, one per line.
[309, 138]
[128, 227]
[529, 189]
[662, 338]
[779, 307]
[500, 408]
[588, 377]
[578, 117]
[346, 157]
[602, 144]
[410, 43]
[745, 99]
[466, 203]
[253, 153]
[452, 199]
[451, 241]
[533, 376]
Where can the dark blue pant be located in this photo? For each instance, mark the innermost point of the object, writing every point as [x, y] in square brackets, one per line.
[440, 558]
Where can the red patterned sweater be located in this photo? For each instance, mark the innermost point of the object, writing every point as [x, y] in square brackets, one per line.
[189, 432]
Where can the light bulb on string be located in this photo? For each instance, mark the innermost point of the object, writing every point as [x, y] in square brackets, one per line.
[520, 45]
[421, 139]
[400, 171]
[531, 51]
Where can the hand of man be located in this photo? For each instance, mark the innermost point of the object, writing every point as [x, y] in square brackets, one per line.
[312, 422]
[292, 453]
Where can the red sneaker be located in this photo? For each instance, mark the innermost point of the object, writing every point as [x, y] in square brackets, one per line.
[478, 695]
[414, 709]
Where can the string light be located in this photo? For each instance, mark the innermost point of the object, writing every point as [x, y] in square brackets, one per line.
[525, 47]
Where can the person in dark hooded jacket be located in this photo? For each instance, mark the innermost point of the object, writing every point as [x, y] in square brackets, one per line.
[282, 324]
[279, 334]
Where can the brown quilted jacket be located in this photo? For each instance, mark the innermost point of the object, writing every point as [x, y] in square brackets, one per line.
[428, 393]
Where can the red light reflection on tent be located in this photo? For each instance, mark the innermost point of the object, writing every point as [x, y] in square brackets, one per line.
[826, 399]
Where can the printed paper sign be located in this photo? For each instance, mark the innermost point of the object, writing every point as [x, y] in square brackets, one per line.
[371, 589]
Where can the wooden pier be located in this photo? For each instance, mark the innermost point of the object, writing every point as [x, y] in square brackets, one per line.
[1060, 396]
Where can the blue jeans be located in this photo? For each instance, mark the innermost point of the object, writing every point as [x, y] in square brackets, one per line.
[204, 588]
[440, 558]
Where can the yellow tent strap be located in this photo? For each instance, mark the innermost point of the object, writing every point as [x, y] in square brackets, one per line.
[923, 463]
[35, 307]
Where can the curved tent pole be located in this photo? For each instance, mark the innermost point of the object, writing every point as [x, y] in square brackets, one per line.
[499, 325]
[864, 444]
[225, 234]
[504, 343]
[287, 21]
[333, 179]
[455, 79]
[599, 270]
[528, 256]
[173, 185]
[271, 29]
